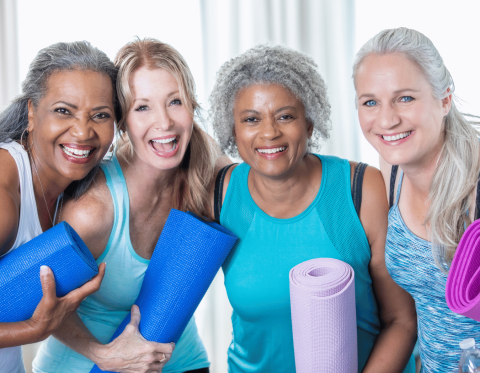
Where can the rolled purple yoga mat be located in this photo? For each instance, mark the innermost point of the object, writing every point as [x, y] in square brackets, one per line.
[322, 298]
[463, 282]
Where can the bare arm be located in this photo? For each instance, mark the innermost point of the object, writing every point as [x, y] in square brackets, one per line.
[394, 344]
[92, 217]
[51, 311]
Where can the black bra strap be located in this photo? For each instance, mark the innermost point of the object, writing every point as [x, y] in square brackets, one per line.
[218, 193]
[358, 174]
[393, 177]
[477, 202]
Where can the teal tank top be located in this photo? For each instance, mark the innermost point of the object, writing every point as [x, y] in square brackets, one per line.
[103, 311]
[256, 271]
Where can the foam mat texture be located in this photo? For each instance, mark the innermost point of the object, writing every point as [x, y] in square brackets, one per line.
[186, 259]
[462, 291]
[322, 298]
[62, 250]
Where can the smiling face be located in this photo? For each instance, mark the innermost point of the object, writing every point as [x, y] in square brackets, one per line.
[398, 112]
[271, 130]
[72, 126]
[159, 124]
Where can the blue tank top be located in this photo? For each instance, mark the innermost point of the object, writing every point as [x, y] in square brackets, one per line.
[103, 311]
[256, 271]
[410, 262]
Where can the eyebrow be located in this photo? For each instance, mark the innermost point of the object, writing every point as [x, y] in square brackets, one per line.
[101, 107]
[284, 108]
[147, 100]
[250, 111]
[395, 92]
[66, 103]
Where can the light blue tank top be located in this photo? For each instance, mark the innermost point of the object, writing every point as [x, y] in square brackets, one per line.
[103, 311]
[256, 271]
[410, 262]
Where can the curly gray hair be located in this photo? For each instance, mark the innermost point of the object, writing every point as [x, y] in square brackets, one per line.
[269, 64]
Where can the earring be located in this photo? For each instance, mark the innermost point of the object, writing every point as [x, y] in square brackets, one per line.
[21, 138]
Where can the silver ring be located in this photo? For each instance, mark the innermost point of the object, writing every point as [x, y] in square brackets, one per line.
[164, 358]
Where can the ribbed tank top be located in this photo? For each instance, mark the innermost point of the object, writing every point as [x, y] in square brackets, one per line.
[410, 262]
[103, 311]
[11, 360]
[256, 271]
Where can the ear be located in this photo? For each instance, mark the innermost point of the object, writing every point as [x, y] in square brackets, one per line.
[31, 121]
[309, 129]
[447, 102]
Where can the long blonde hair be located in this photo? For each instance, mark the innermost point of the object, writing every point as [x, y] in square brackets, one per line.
[457, 170]
[196, 171]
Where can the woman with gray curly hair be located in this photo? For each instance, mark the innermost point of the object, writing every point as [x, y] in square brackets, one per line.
[287, 205]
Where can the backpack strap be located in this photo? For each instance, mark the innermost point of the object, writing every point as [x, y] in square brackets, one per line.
[393, 177]
[218, 193]
[357, 184]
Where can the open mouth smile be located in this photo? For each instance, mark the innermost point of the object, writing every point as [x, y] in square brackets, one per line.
[76, 153]
[165, 147]
[396, 137]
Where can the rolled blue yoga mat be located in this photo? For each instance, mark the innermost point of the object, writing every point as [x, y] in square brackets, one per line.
[62, 250]
[186, 259]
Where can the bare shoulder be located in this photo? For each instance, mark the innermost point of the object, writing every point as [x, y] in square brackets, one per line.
[9, 201]
[92, 215]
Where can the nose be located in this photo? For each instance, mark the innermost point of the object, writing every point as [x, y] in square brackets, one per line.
[269, 129]
[162, 119]
[388, 116]
[83, 129]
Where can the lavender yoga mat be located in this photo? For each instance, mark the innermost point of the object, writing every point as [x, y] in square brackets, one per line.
[463, 282]
[322, 298]
[186, 259]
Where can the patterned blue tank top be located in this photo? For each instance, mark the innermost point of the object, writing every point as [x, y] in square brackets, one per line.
[410, 262]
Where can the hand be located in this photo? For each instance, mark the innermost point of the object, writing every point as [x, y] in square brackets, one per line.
[130, 352]
[51, 311]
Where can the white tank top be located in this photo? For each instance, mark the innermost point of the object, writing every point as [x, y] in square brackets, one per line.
[11, 360]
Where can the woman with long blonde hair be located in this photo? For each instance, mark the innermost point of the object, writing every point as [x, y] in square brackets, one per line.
[406, 111]
[163, 160]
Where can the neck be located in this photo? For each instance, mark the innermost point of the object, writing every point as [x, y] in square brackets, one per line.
[285, 190]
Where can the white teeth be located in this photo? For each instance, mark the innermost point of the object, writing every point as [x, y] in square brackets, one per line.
[165, 141]
[271, 151]
[396, 137]
[77, 153]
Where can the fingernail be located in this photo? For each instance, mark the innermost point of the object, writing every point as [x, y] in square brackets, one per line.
[173, 344]
[43, 270]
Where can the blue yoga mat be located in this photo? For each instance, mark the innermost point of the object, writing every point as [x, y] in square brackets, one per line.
[186, 259]
[62, 250]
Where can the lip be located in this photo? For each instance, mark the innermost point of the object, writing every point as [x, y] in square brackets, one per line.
[273, 155]
[79, 147]
[169, 154]
[396, 142]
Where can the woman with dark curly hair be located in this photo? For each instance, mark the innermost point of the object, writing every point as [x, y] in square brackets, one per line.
[288, 205]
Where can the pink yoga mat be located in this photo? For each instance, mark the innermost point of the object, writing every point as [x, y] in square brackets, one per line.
[322, 297]
[463, 282]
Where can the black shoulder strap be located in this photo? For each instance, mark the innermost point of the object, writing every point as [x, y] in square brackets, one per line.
[393, 177]
[218, 193]
[357, 185]
[477, 202]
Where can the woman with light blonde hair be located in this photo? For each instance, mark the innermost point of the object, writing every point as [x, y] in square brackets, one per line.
[406, 111]
[162, 160]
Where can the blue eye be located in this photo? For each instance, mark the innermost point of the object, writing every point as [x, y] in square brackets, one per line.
[142, 108]
[406, 98]
[370, 103]
[176, 102]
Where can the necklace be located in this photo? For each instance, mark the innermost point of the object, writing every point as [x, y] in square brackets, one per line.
[41, 186]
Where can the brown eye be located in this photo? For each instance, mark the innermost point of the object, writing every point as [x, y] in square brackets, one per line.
[62, 110]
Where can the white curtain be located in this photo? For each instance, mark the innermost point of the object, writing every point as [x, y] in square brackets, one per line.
[9, 75]
[324, 29]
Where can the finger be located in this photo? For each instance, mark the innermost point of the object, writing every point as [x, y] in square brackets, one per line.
[47, 279]
[163, 348]
[135, 316]
[89, 287]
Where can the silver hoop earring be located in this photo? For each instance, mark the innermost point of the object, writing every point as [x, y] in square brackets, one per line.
[21, 138]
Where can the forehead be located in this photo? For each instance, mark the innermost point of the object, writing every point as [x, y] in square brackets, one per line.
[80, 84]
[393, 69]
[265, 93]
[150, 81]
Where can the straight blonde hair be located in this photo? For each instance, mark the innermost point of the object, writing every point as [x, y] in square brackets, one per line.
[196, 171]
[457, 170]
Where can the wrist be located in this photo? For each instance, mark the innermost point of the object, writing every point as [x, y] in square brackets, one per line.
[97, 352]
